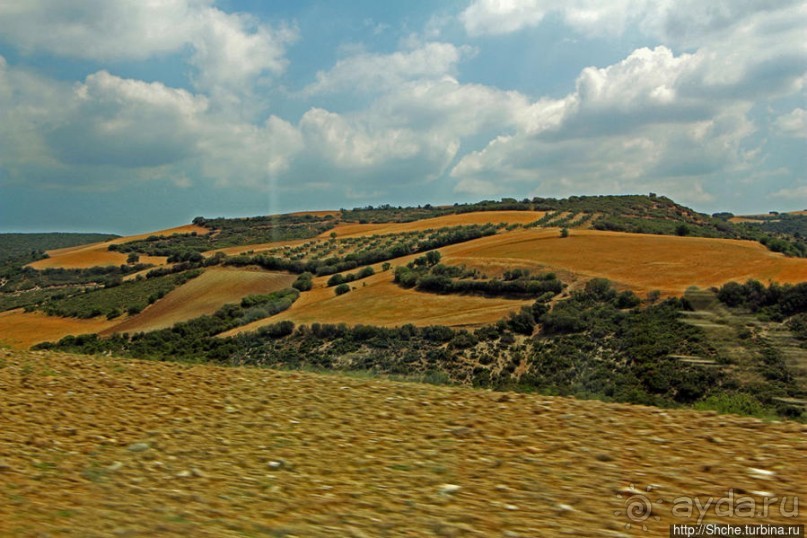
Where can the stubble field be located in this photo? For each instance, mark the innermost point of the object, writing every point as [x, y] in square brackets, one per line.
[98, 446]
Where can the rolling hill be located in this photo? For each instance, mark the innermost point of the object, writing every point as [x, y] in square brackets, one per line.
[497, 324]
[202, 296]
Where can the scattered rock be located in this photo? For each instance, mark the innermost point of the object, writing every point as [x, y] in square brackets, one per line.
[184, 474]
[761, 473]
[138, 447]
[198, 473]
[449, 489]
[116, 466]
[276, 465]
[563, 507]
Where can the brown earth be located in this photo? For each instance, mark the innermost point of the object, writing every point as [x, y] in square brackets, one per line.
[95, 254]
[204, 295]
[21, 330]
[97, 447]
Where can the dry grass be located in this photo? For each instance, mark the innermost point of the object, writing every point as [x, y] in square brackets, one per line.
[21, 330]
[204, 294]
[257, 247]
[95, 254]
[355, 457]
[639, 262]
[738, 220]
[463, 219]
[381, 302]
[632, 261]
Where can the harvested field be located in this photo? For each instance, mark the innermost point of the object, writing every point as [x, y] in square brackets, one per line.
[640, 262]
[204, 294]
[256, 248]
[381, 302]
[463, 219]
[738, 220]
[21, 330]
[96, 254]
[110, 447]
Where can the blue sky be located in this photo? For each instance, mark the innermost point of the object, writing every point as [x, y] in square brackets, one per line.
[129, 116]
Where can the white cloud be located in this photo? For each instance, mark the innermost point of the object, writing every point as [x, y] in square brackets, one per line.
[127, 123]
[502, 16]
[795, 193]
[674, 122]
[680, 22]
[230, 51]
[794, 123]
[647, 120]
[233, 50]
[380, 72]
[99, 29]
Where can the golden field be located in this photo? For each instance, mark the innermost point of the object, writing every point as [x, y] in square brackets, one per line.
[463, 219]
[100, 446]
[21, 330]
[639, 262]
[203, 295]
[95, 254]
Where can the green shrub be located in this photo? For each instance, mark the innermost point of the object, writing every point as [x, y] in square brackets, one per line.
[342, 289]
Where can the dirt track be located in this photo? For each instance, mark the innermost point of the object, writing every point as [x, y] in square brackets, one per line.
[107, 447]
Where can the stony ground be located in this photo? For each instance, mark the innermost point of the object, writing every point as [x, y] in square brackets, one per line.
[108, 447]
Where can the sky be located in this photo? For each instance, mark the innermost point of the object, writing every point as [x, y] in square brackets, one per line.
[131, 116]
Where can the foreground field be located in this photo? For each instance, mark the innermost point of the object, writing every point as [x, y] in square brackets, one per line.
[107, 447]
[204, 295]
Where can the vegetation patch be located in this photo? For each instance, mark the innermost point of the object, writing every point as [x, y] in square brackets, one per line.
[128, 297]
[597, 344]
[426, 273]
[27, 247]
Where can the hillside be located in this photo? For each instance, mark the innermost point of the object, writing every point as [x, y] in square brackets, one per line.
[111, 447]
[19, 245]
[202, 296]
[550, 295]
[637, 262]
[98, 254]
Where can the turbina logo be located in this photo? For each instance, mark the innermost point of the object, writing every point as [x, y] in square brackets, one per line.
[638, 508]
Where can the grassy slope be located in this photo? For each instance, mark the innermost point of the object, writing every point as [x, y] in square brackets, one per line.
[14, 245]
[203, 295]
[640, 262]
[21, 330]
[360, 457]
[383, 303]
[482, 217]
[98, 254]
[637, 261]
